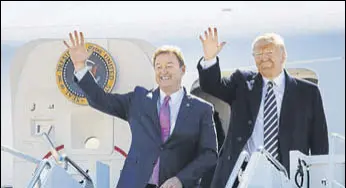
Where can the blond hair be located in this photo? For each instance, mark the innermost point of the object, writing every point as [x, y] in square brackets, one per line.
[169, 49]
[270, 38]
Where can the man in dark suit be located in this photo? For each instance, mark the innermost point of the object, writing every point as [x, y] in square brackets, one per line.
[173, 134]
[269, 109]
[220, 135]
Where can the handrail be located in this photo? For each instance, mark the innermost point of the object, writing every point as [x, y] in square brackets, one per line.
[334, 136]
[80, 170]
[63, 158]
[276, 163]
[38, 172]
[234, 174]
[20, 154]
[54, 152]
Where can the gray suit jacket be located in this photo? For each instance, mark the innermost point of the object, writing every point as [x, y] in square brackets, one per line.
[190, 151]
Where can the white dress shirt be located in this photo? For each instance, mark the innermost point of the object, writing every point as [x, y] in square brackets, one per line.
[256, 140]
[174, 105]
[206, 64]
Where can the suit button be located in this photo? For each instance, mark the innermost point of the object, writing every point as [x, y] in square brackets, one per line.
[249, 122]
[239, 138]
[229, 157]
[161, 148]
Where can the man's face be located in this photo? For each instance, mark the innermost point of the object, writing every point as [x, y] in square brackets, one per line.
[269, 59]
[168, 72]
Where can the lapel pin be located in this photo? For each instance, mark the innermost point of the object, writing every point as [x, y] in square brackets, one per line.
[150, 95]
[250, 84]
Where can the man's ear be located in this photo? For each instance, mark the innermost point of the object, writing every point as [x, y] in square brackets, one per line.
[283, 56]
[183, 69]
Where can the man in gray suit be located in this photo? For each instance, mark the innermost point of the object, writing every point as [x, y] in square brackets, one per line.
[173, 133]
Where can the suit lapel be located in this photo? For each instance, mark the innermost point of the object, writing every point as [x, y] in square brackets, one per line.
[184, 111]
[255, 95]
[287, 108]
[150, 109]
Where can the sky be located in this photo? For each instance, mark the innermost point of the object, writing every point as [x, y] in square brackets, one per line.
[176, 23]
[161, 20]
[311, 30]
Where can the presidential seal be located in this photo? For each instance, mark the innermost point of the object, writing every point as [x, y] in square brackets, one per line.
[100, 64]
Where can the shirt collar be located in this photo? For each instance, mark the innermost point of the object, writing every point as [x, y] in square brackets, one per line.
[279, 81]
[174, 96]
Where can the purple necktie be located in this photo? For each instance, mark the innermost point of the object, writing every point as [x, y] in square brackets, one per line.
[165, 129]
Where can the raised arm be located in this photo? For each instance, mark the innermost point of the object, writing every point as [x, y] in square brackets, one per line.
[112, 104]
[209, 69]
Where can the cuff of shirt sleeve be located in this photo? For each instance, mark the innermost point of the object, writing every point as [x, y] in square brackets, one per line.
[208, 63]
[80, 74]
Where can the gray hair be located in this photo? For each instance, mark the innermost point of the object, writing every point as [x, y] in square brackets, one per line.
[270, 38]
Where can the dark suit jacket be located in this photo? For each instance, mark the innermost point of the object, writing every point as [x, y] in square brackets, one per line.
[187, 153]
[208, 176]
[302, 124]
